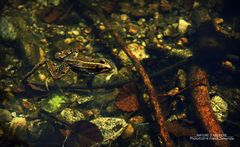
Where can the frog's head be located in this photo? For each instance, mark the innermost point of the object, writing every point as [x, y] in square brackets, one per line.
[106, 69]
[105, 65]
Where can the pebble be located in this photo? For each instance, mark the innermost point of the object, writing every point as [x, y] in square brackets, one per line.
[128, 132]
[68, 40]
[42, 76]
[136, 119]
[141, 21]
[87, 30]
[123, 17]
[183, 26]
[218, 20]
[71, 115]
[8, 31]
[17, 124]
[102, 27]
[228, 65]
[75, 32]
[111, 109]
[5, 115]
[133, 29]
[220, 108]
[184, 40]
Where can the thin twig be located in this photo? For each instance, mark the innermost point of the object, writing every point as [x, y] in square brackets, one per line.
[35, 68]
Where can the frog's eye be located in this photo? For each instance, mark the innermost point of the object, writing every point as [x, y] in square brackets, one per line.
[102, 61]
[75, 54]
[59, 55]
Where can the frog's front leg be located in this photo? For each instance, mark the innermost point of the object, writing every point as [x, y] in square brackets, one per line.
[57, 71]
[89, 76]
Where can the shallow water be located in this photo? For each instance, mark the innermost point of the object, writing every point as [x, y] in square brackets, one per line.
[67, 81]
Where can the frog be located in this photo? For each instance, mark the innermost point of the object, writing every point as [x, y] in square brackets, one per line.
[71, 59]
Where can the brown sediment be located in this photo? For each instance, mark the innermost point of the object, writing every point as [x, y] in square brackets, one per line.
[201, 101]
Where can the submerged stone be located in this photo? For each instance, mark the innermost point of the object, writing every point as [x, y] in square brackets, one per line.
[111, 128]
[18, 126]
[7, 29]
[220, 108]
[71, 115]
[5, 116]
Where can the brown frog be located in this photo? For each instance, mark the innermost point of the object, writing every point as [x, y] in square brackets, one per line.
[71, 59]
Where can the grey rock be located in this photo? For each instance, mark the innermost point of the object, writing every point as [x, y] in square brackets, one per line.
[111, 128]
[7, 30]
[71, 116]
[5, 115]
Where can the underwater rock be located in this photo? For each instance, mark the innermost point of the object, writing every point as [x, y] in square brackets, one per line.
[53, 103]
[220, 108]
[92, 112]
[183, 53]
[228, 65]
[71, 115]
[18, 126]
[30, 49]
[7, 30]
[181, 78]
[5, 116]
[128, 132]
[183, 26]
[132, 29]
[169, 31]
[136, 119]
[124, 17]
[111, 128]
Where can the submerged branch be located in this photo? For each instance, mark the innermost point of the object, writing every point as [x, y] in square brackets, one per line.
[201, 101]
[151, 91]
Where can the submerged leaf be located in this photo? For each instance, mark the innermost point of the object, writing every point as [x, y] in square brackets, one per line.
[126, 99]
[53, 103]
[84, 133]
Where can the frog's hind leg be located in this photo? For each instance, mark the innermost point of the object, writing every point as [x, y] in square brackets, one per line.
[57, 71]
[35, 68]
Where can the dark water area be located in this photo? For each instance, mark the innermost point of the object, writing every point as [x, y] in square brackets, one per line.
[119, 73]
